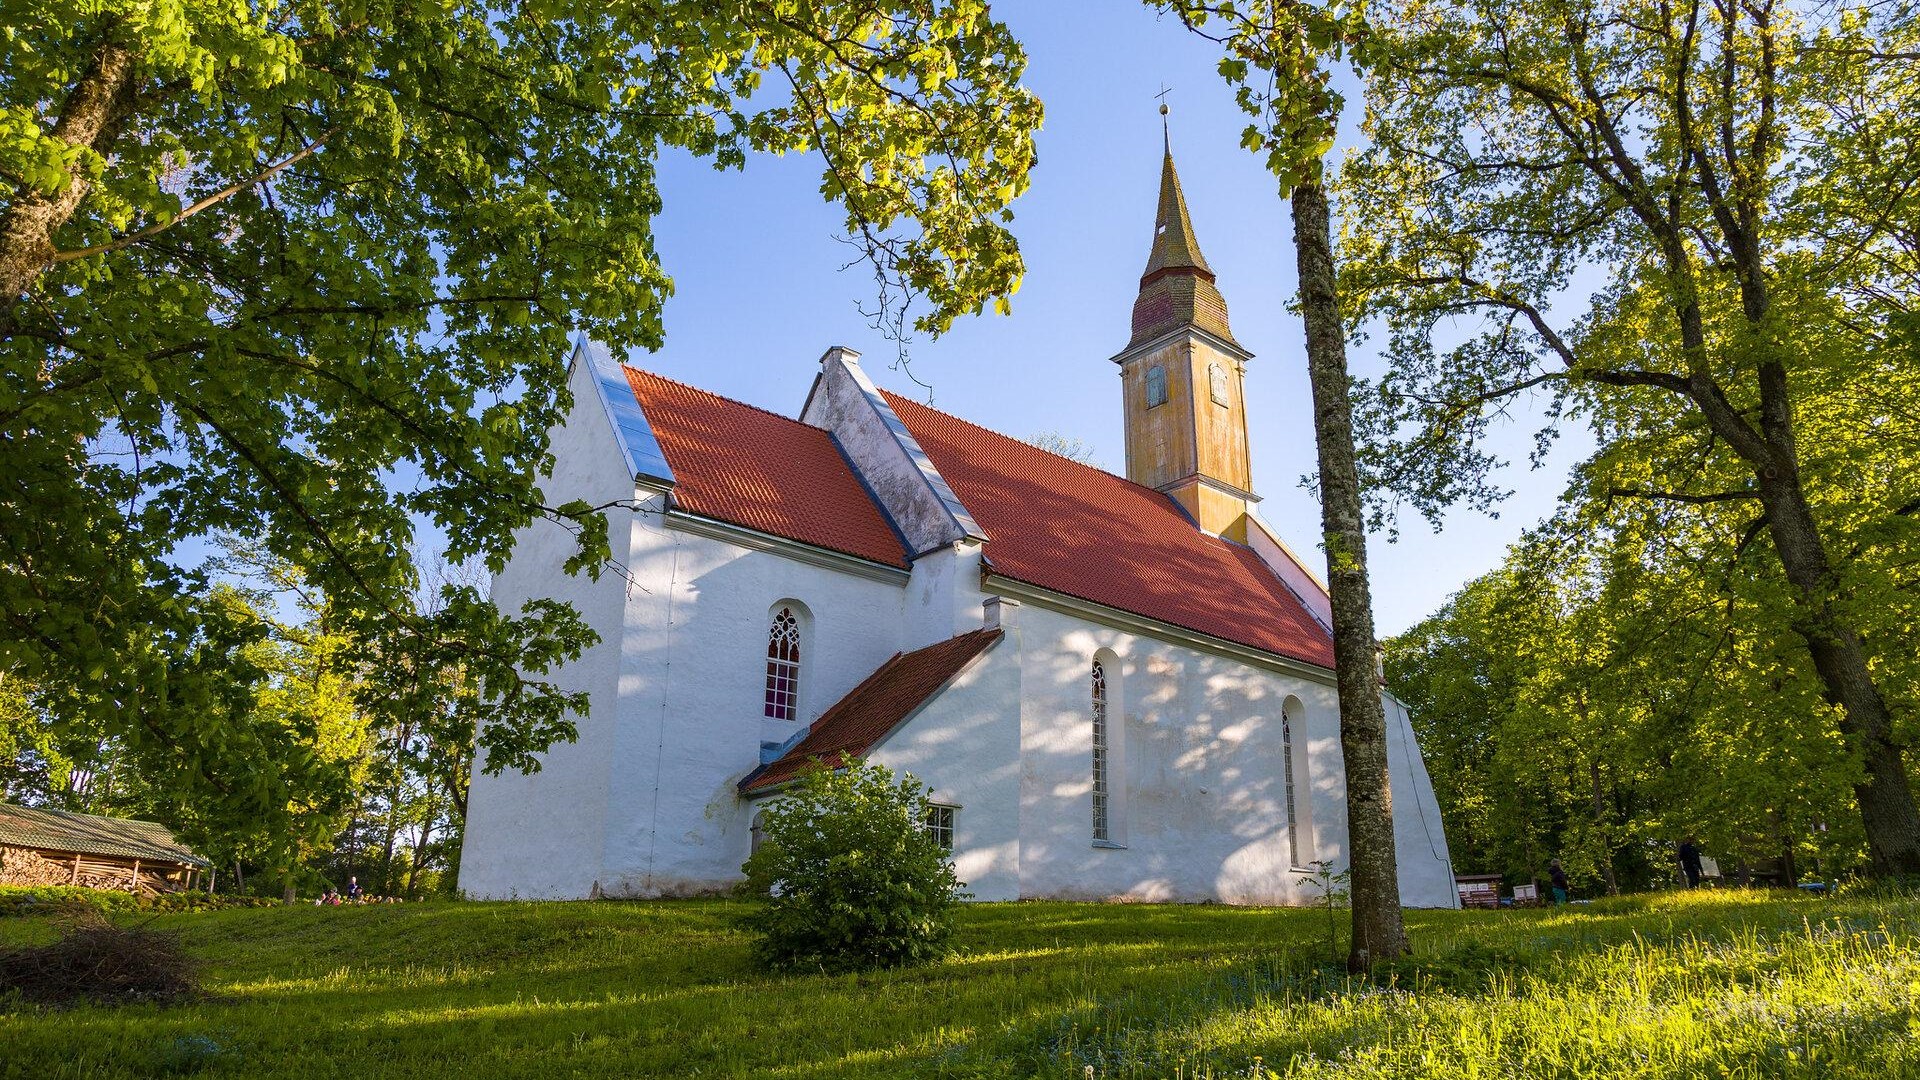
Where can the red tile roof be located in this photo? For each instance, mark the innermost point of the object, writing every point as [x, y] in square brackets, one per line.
[1074, 529]
[874, 708]
[767, 472]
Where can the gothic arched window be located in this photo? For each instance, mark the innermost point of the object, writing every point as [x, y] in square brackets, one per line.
[1099, 751]
[1156, 386]
[1293, 812]
[783, 666]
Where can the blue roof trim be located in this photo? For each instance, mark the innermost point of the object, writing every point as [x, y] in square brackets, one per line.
[638, 445]
[898, 428]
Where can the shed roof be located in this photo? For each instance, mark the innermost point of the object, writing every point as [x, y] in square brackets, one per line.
[89, 834]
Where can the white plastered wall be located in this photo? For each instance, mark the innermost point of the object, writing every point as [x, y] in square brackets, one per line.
[1198, 803]
[965, 746]
[693, 664]
[1419, 840]
[538, 835]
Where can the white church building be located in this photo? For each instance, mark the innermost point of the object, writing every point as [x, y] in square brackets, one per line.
[1115, 687]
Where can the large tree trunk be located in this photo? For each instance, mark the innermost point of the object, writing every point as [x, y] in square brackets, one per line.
[92, 116]
[1377, 928]
[1884, 793]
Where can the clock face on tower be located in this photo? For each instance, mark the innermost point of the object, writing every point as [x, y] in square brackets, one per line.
[1217, 384]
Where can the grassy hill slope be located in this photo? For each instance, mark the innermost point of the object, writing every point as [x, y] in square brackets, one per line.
[1722, 985]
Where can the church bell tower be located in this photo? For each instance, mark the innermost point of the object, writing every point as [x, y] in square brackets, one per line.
[1181, 376]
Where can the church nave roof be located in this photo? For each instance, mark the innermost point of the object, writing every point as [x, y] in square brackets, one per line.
[746, 466]
[1074, 529]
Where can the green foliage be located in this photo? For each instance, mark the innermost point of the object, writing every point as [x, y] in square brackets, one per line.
[310, 273]
[1280, 60]
[50, 899]
[16, 900]
[1588, 703]
[1679, 227]
[1679, 985]
[848, 875]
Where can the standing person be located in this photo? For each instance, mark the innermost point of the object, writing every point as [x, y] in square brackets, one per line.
[1557, 875]
[353, 888]
[1690, 862]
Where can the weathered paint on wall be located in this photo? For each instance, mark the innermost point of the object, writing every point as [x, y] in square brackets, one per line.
[1198, 434]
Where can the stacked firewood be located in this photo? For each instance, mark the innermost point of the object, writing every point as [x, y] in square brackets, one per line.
[19, 866]
[107, 877]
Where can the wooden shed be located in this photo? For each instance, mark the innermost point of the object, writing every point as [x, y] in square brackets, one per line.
[59, 847]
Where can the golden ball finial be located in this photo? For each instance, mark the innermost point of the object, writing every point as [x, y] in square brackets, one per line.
[1163, 108]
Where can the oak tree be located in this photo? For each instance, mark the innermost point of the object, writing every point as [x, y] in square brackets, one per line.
[1679, 220]
[307, 272]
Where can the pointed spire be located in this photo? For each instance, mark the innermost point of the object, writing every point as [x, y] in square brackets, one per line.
[1177, 288]
[1174, 244]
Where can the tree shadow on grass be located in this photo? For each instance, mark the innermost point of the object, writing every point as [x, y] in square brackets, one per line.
[482, 991]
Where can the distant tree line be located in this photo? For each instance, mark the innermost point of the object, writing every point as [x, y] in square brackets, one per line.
[372, 751]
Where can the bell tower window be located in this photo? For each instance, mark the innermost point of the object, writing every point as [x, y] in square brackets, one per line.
[1156, 386]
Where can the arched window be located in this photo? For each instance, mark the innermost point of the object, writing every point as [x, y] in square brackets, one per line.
[1156, 386]
[783, 666]
[1099, 751]
[1293, 806]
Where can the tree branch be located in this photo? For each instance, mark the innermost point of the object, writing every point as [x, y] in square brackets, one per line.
[217, 197]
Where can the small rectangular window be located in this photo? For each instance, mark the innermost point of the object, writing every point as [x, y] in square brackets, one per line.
[939, 825]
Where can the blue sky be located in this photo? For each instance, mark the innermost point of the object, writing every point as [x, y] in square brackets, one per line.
[760, 294]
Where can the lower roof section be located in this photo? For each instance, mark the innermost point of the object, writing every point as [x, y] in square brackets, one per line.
[871, 711]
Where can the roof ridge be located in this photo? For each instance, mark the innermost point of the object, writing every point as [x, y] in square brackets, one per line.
[1016, 439]
[82, 813]
[1013, 438]
[650, 373]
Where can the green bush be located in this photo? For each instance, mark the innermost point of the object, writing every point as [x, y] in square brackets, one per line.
[849, 877]
[50, 899]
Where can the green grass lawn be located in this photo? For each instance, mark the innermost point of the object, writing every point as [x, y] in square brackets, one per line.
[1701, 985]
